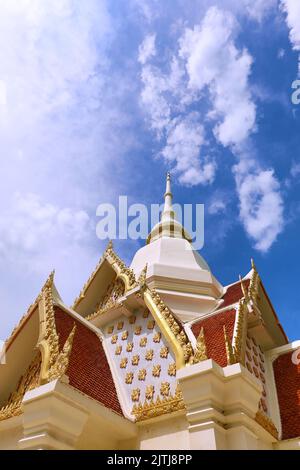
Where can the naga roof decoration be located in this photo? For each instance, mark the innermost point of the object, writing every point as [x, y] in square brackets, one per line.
[49, 362]
[123, 272]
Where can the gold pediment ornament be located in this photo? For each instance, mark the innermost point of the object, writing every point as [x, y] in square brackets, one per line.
[28, 381]
[123, 272]
[158, 407]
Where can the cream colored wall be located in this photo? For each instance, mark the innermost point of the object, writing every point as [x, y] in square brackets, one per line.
[164, 434]
[9, 438]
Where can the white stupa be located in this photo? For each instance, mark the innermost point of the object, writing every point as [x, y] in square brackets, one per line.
[178, 272]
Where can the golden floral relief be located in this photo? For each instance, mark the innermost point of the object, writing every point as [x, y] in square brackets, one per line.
[120, 325]
[110, 329]
[124, 335]
[137, 330]
[142, 374]
[118, 350]
[156, 370]
[135, 360]
[129, 378]
[129, 347]
[172, 369]
[164, 352]
[157, 337]
[114, 339]
[123, 363]
[143, 342]
[150, 324]
[149, 355]
[165, 389]
[146, 314]
[135, 394]
[149, 392]
[132, 319]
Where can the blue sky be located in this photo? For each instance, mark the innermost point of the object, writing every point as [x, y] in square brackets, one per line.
[100, 98]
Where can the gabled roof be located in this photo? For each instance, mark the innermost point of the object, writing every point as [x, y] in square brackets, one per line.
[88, 368]
[287, 378]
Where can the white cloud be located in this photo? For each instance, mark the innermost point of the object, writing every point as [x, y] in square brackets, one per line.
[292, 10]
[183, 145]
[261, 203]
[209, 66]
[147, 48]
[213, 60]
[61, 130]
[295, 169]
[216, 206]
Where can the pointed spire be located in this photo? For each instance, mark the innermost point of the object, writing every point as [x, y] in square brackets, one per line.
[168, 213]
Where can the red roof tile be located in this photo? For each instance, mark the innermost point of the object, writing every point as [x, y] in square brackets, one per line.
[214, 334]
[234, 293]
[287, 378]
[88, 369]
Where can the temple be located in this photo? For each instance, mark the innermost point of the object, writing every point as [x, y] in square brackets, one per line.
[155, 355]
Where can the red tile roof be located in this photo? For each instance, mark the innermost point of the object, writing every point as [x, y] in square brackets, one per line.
[287, 378]
[234, 293]
[88, 369]
[214, 334]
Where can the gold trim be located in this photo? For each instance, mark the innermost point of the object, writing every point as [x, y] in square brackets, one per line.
[200, 352]
[171, 329]
[229, 349]
[54, 362]
[120, 268]
[240, 332]
[158, 407]
[266, 422]
[28, 381]
[254, 283]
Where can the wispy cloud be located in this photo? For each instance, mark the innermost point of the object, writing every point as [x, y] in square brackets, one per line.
[209, 67]
[292, 10]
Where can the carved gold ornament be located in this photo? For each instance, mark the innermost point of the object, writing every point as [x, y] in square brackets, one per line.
[149, 392]
[132, 319]
[50, 362]
[200, 351]
[114, 339]
[150, 324]
[149, 355]
[157, 337]
[142, 277]
[137, 330]
[113, 293]
[135, 360]
[110, 329]
[129, 347]
[156, 370]
[120, 325]
[165, 389]
[124, 335]
[160, 407]
[164, 352]
[142, 374]
[28, 381]
[123, 363]
[266, 422]
[146, 314]
[143, 342]
[170, 327]
[118, 350]
[135, 394]
[172, 369]
[129, 378]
